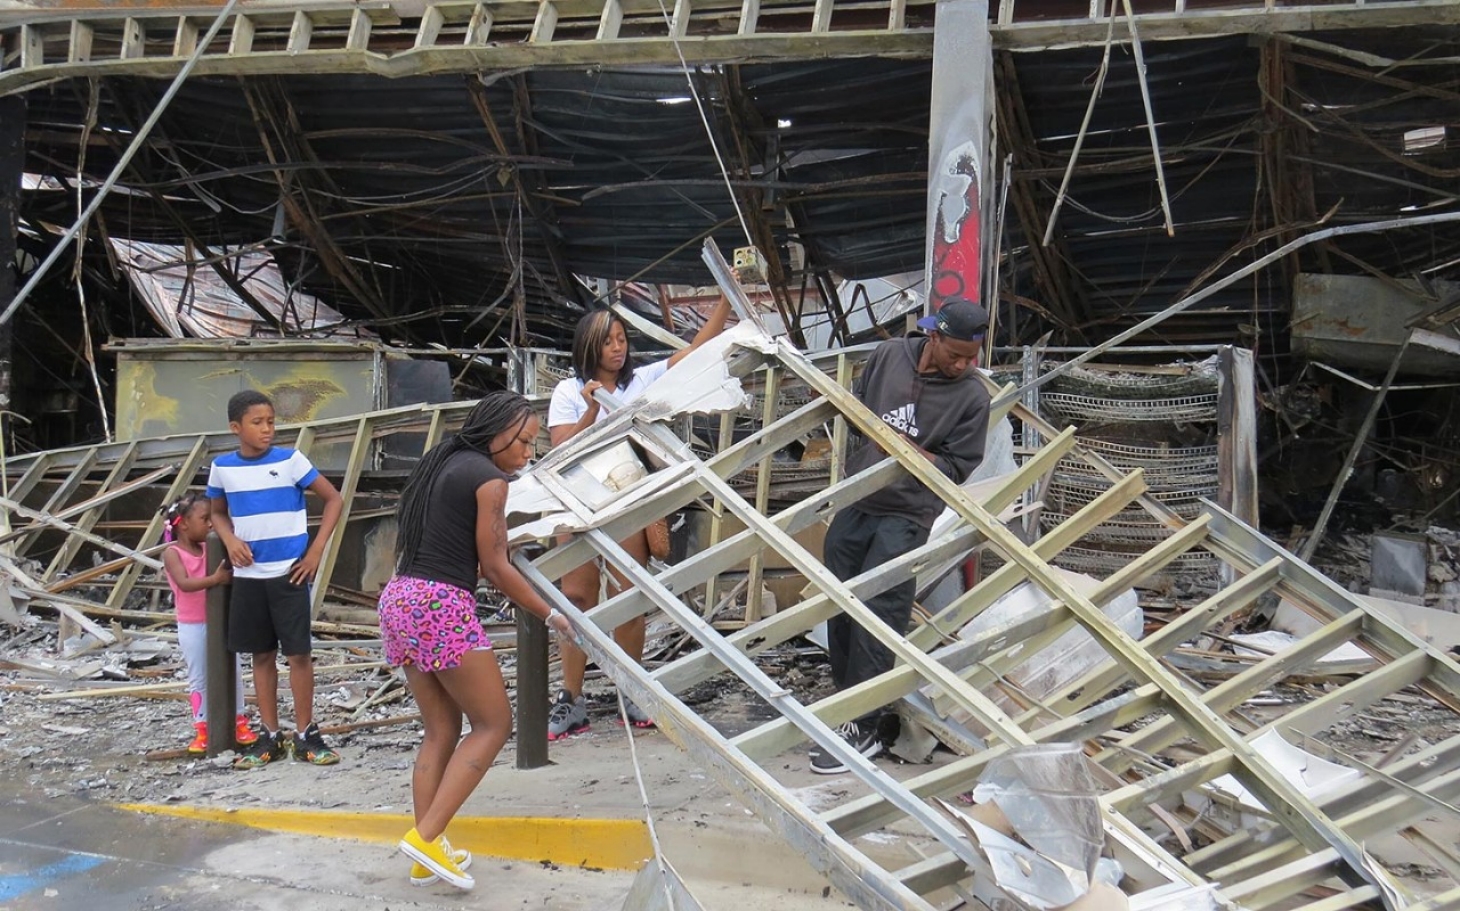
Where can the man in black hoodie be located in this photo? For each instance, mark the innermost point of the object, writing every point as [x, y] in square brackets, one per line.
[928, 390]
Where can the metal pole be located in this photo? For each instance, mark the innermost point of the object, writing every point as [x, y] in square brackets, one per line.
[1360, 438]
[222, 696]
[1368, 227]
[12, 167]
[1059, 198]
[1135, 43]
[532, 639]
[121, 166]
[532, 691]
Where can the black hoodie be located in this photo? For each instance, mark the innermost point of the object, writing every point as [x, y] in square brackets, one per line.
[947, 417]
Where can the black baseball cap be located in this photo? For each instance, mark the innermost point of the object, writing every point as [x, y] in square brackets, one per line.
[958, 319]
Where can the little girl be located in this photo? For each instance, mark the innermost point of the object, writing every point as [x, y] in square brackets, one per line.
[186, 524]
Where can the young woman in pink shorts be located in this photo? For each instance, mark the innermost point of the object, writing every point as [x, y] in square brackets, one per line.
[453, 528]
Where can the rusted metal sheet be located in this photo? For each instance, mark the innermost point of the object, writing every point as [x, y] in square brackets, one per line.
[173, 386]
[1358, 321]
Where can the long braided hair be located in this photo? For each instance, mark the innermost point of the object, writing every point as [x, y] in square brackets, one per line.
[495, 413]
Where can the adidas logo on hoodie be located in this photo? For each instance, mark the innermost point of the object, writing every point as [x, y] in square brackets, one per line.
[903, 419]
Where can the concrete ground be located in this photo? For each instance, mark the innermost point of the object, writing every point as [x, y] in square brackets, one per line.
[68, 844]
[68, 852]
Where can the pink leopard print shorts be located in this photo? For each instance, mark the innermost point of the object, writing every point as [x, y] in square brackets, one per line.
[429, 625]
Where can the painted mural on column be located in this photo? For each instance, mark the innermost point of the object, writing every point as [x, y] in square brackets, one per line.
[956, 230]
[958, 138]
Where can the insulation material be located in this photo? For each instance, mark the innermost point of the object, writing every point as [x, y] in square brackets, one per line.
[1048, 795]
[1069, 657]
[1310, 774]
[1039, 825]
[1346, 659]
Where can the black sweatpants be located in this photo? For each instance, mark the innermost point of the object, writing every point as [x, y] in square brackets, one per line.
[855, 543]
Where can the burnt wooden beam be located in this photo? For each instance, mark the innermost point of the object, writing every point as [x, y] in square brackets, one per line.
[744, 120]
[1064, 296]
[126, 104]
[283, 142]
[1286, 153]
[527, 184]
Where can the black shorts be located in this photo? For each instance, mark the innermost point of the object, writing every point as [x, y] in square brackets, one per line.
[266, 614]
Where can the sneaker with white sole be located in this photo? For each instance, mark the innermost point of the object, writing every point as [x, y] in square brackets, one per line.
[569, 716]
[434, 856]
[421, 876]
[864, 738]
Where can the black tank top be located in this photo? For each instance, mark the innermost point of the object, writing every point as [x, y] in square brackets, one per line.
[448, 550]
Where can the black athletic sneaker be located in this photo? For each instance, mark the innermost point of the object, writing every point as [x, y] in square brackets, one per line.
[865, 739]
[309, 746]
[269, 747]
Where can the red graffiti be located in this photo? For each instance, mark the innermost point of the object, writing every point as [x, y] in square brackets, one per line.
[956, 261]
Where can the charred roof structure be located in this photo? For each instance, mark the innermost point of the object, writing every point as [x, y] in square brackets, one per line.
[419, 166]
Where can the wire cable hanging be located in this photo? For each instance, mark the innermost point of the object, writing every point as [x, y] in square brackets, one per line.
[137, 141]
[694, 93]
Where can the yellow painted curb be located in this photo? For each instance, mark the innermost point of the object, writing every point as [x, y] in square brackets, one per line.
[605, 844]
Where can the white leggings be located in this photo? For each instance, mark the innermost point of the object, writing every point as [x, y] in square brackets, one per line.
[192, 638]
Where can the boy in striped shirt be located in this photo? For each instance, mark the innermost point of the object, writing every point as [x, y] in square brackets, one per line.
[257, 496]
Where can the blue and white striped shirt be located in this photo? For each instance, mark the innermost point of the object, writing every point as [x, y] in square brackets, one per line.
[266, 502]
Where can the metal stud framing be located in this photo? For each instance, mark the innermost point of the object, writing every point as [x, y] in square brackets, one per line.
[1307, 850]
[134, 467]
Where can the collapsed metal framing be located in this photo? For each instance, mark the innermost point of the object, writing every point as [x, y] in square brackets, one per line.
[1306, 843]
[181, 460]
[336, 36]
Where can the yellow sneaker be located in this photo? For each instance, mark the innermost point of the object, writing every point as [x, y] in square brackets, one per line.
[420, 876]
[435, 857]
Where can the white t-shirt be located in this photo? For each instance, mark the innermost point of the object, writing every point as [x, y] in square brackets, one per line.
[567, 405]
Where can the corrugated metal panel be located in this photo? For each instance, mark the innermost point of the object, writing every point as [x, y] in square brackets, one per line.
[194, 301]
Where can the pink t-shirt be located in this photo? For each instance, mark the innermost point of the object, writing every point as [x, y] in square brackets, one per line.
[192, 607]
